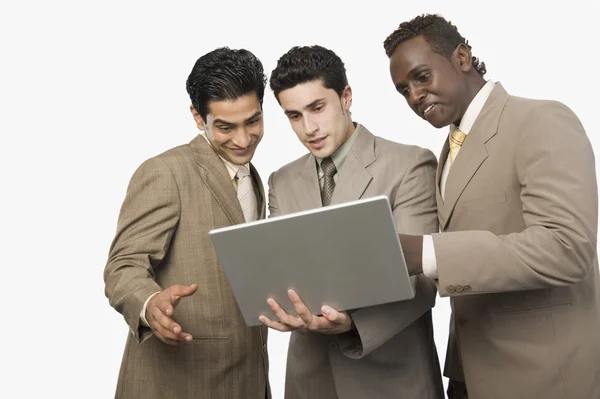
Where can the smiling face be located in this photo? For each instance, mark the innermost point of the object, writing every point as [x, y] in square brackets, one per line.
[233, 127]
[435, 87]
[319, 117]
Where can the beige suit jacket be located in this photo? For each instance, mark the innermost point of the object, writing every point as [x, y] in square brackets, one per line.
[394, 355]
[520, 259]
[172, 201]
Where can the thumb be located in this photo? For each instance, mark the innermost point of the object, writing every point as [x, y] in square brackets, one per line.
[332, 315]
[178, 291]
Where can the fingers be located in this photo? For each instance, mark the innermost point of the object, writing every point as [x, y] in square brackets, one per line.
[275, 325]
[303, 312]
[160, 311]
[288, 322]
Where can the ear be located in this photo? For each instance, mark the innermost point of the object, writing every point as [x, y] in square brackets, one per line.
[347, 98]
[197, 118]
[463, 57]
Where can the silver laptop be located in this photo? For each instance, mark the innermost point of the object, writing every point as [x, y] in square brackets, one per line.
[346, 256]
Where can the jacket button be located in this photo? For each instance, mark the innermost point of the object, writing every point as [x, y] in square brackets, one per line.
[462, 322]
[459, 288]
[450, 288]
[265, 348]
[467, 288]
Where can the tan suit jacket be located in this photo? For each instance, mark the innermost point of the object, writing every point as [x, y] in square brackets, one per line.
[520, 261]
[394, 355]
[172, 201]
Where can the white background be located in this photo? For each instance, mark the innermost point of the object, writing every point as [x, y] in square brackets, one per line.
[88, 90]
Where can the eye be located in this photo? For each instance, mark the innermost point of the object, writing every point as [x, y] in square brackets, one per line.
[319, 108]
[252, 122]
[403, 91]
[293, 117]
[224, 129]
[423, 77]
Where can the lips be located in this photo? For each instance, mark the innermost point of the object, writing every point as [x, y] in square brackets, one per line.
[317, 143]
[240, 151]
[427, 109]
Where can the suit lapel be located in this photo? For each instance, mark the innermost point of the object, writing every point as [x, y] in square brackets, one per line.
[438, 181]
[305, 189]
[353, 178]
[472, 153]
[261, 191]
[215, 176]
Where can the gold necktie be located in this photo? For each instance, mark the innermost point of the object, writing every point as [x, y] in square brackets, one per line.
[456, 140]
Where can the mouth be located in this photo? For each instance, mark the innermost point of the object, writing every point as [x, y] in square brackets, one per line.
[240, 151]
[317, 143]
[427, 111]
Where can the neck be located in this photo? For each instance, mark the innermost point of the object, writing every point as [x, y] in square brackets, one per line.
[473, 85]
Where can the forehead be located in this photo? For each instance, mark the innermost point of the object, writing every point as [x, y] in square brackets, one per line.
[410, 55]
[303, 94]
[234, 111]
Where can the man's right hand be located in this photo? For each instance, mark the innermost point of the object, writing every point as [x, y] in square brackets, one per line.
[160, 310]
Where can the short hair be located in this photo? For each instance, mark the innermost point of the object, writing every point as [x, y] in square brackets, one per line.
[306, 64]
[442, 36]
[225, 74]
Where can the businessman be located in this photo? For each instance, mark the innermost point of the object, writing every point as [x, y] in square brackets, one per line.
[383, 351]
[188, 338]
[517, 204]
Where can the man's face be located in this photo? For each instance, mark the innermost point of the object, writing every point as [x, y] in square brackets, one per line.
[233, 127]
[434, 86]
[320, 118]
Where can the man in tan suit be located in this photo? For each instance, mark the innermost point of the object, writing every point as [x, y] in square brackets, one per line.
[188, 338]
[517, 204]
[383, 351]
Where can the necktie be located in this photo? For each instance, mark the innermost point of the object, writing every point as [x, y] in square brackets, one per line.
[329, 170]
[245, 193]
[456, 140]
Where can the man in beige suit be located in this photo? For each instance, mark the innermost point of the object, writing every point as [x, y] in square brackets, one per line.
[188, 338]
[517, 204]
[383, 351]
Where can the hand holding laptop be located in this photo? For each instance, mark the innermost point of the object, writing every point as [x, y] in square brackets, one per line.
[332, 321]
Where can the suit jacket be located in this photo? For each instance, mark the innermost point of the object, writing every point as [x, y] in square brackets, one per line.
[520, 259]
[394, 353]
[172, 201]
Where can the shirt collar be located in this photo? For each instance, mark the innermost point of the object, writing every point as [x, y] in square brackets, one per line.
[474, 108]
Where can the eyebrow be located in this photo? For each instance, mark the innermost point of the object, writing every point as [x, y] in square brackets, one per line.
[307, 106]
[224, 122]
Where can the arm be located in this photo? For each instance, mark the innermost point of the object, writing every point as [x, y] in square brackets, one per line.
[415, 212]
[556, 170]
[147, 222]
[273, 205]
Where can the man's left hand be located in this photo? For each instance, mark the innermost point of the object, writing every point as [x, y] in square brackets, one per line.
[332, 321]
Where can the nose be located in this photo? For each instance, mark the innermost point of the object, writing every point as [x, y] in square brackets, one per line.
[310, 127]
[242, 138]
[416, 96]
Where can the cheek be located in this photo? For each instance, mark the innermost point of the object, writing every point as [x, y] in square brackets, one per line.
[257, 131]
[219, 139]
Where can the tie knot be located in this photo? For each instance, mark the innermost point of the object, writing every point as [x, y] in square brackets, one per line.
[242, 172]
[328, 167]
[456, 138]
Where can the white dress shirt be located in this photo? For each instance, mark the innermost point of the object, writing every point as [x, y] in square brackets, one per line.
[232, 169]
[466, 123]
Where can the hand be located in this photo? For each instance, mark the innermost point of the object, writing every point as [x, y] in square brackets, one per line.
[412, 247]
[160, 310]
[332, 321]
